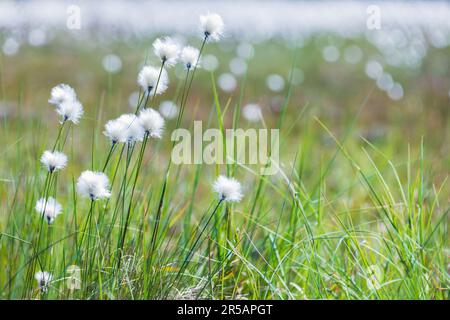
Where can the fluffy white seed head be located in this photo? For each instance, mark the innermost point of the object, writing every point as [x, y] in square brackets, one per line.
[228, 189]
[61, 93]
[93, 185]
[152, 122]
[53, 161]
[49, 209]
[43, 279]
[148, 78]
[167, 50]
[189, 57]
[212, 26]
[116, 131]
[252, 112]
[70, 111]
[168, 109]
[132, 129]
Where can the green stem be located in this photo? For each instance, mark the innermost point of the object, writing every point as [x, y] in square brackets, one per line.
[194, 245]
[157, 82]
[111, 150]
[127, 219]
[195, 69]
[59, 135]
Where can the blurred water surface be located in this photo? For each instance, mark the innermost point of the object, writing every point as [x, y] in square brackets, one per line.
[251, 19]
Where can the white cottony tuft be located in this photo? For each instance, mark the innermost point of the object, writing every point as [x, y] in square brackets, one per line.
[54, 161]
[252, 112]
[70, 111]
[212, 26]
[152, 122]
[43, 279]
[49, 209]
[93, 185]
[116, 131]
[148, 78]
[189, 57]
[132, 130]
[67, 105]
[167, 50]
[168, 109]
[61, 93]
[228, 189]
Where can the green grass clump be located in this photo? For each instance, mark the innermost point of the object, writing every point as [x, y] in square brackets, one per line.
[358, 208]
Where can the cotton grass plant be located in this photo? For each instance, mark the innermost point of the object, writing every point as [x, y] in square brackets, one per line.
[64, 98]
[139, 227]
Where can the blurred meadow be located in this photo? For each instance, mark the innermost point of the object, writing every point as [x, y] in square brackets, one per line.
[357, 210]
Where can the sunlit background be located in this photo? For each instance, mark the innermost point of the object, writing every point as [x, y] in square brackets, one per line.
[340, 57]
[334, 38]
[371, 75]
[386, 62]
